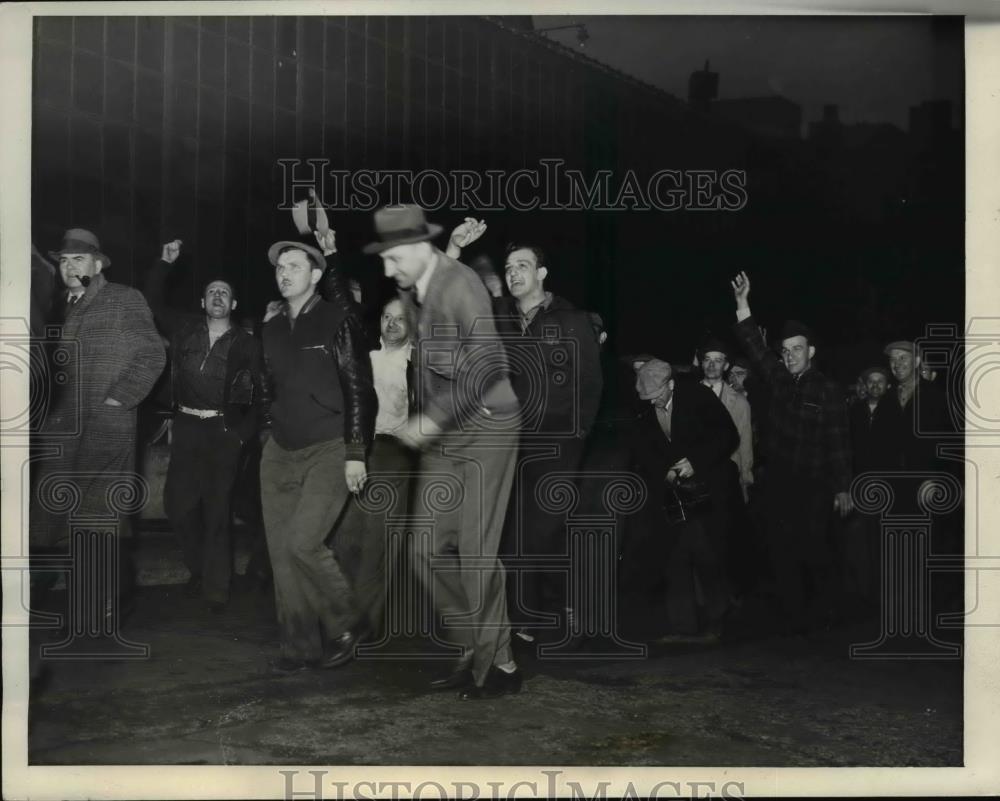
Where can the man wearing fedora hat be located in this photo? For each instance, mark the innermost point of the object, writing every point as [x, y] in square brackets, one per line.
[92, 414]
[322, 408]
[808, 458]
[465, 400]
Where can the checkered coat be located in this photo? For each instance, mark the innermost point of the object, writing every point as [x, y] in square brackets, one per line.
[808, 435]
[107, 347]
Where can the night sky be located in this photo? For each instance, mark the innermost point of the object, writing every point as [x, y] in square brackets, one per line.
[874, 68]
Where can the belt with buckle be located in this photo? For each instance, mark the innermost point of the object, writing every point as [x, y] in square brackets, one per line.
[204, 414]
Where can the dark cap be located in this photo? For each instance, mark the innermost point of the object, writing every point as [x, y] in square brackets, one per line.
[712, 343]
[795, 328]
[876, 369]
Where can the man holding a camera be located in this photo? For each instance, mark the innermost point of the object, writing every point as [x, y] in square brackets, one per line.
[683, 441]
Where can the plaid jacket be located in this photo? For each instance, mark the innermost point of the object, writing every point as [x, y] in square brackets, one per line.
[807, 418]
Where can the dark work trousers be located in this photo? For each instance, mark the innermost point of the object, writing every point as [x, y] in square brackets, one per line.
[362, 540]
[860, 542]
[204, 458]
[246, 506]
[303, 493]
[695, 556]
[798, 518]
[534, 528]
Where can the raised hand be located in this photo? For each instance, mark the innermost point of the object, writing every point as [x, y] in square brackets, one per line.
[327, 241]
[467, 232]
[741, 290]
[171, 251]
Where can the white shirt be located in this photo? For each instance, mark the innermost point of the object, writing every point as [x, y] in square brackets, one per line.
[389, 374]
[421, 283]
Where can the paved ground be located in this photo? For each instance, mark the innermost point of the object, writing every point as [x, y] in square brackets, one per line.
[203, 698]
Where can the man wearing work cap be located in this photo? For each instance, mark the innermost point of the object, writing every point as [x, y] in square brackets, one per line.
[808, 458]
[465, 400]
[216, 391]
[684, 437]
[870, 423]
[919, 408]
[114, 356]
[322, 409]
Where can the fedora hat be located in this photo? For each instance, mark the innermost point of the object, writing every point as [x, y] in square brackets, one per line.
[401, 225]
[80, 240]
[277, 247]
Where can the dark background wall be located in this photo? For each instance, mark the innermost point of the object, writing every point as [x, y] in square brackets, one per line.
[149, 129]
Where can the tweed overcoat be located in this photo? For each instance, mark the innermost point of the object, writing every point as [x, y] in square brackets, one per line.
[108, 347]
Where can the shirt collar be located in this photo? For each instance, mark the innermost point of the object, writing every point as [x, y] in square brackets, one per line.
[529, 315]
[309, 304]
[406, 349]
[420, 287]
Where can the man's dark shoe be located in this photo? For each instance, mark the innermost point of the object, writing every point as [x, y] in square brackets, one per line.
[341, 650]
[498, 682]
[461, 676]
[283, 666]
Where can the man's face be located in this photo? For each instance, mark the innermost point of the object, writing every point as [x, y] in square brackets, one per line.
[522, 273]
[74, 265]
[218, 301]
[736, 378]
[796, 353]
[406, 264]
[395, 330]
[901, 363]
[876, 385]
[714, 364]
[296, 275]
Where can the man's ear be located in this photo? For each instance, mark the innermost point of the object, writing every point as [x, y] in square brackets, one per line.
[233, 306]
[542, 272]
[203, 303]
[316, 276]
[98, 266]
[725, 366]
[812, 352]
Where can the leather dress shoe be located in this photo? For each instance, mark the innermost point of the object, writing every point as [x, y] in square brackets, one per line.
[498, 683]
[341, 650]
[461, 676]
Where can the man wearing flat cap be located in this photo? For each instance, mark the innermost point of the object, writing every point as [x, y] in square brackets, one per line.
[467, 429]
[321, 403]
[808, 458]
[683, 439]
[919, 409]
[116, 355]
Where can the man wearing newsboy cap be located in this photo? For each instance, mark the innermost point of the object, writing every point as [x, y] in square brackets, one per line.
[467, 429]
[321, 402]
[114, 356]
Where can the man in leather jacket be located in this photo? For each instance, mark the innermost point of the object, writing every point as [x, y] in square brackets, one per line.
[321, 403]
[215, 390]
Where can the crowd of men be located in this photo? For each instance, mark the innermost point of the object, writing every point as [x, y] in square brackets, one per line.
[460, 407]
